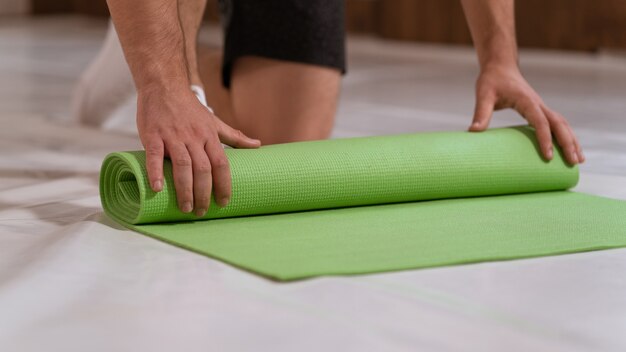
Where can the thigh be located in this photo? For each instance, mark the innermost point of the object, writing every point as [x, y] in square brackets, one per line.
[283, 61]
[281, 101]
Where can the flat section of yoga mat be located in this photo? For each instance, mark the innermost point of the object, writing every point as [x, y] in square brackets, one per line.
[390, 237]
[320, 208]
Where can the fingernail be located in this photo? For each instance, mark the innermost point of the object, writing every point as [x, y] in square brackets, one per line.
[187, 208]
[200, 212]
[575, 158]
[157, 186]
[223, 202]
[550, 153]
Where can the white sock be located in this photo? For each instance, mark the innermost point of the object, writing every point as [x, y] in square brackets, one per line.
[199, 92]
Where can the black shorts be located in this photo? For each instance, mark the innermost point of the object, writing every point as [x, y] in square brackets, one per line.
[306, 31]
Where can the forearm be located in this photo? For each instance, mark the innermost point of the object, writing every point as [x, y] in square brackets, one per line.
[190, 13]
[153, 42]
[492, 24]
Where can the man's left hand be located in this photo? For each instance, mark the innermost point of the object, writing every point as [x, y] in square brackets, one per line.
[504, 87]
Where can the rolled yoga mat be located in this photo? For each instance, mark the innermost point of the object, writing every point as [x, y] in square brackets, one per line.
[374, 204]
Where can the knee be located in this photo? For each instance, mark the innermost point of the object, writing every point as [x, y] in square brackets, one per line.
[278, 101]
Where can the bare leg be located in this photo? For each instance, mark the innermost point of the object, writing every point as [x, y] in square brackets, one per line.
[281, 101]
[274, 101]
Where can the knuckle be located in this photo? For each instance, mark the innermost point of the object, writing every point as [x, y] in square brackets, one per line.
[564, 136]
[169, 137]
[200, 132]
[202, 201]
[542, 122]
[220, 163]
[203, 167]
[561, 118]
[541, 125]
[559, 128]
[153, 150]
[561, 122]
[182, 161]
[153, 168]
[527, 101]
[178, 128]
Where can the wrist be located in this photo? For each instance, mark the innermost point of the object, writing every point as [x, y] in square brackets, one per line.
[158, 97]
[499, 59]
[499, 65]
[177, 89]
[157, 77]
[498, 52]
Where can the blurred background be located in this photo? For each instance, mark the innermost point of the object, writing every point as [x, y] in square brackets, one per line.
[556, 24]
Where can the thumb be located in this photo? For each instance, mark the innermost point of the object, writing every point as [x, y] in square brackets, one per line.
[235, 138]
[482, 114]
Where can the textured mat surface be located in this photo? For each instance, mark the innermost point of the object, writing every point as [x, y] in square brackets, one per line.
[376, 204]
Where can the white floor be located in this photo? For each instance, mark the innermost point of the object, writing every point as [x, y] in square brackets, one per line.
[72, 280]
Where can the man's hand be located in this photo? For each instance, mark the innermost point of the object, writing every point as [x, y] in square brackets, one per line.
[505, 87]
[179, 126]
[501, 85]
[170, 119]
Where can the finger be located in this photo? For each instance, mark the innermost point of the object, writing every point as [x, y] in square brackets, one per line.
[536, 118]
[581, 155]
[183, 176]
[482, 113]
[201, 178]
[579, 149]
[220, 171]
[235, 138]
[562, 132]
[154, 163]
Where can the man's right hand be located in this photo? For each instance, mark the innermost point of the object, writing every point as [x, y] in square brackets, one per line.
[170, 119]
[178, 126]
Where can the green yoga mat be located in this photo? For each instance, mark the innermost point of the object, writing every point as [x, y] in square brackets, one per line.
[364, 205]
